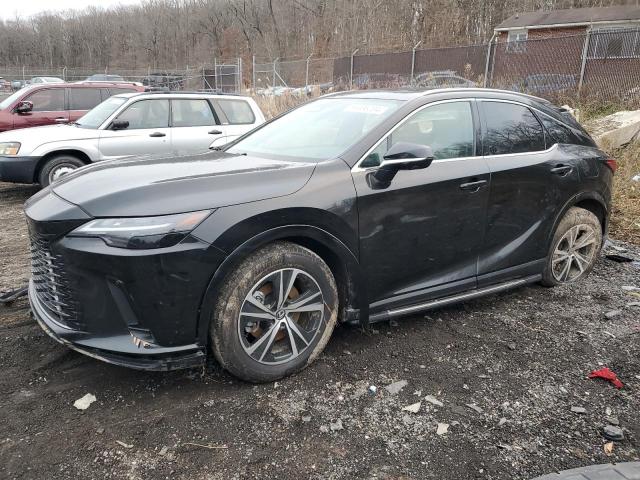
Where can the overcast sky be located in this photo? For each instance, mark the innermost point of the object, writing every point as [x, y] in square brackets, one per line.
[25, 8]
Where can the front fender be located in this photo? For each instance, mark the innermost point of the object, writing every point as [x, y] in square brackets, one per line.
[86, 147]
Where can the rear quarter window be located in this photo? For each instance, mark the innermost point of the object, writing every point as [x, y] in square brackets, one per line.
[238, 112]
[561, 133]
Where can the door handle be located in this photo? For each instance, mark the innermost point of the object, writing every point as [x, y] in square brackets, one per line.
[157, 134]
[473, 186]
[215, 132]
[561, 170]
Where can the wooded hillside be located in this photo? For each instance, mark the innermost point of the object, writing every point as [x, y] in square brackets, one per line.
[166, 33]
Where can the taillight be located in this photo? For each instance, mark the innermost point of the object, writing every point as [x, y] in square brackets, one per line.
[612, 164]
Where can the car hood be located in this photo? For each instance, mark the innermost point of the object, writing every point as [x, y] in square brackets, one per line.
[35, 136]
[144, 186]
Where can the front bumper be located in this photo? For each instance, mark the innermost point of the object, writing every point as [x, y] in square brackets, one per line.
[18, 169]
[117, 349]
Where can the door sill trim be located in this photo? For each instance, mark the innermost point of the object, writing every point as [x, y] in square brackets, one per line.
[440, 302]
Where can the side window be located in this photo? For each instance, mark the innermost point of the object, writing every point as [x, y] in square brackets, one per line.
[558, 132]
[447, 128]
[511, 129]
[237, 111]
[191, 112]
[84, 98]
[49, 100]
[147, 114]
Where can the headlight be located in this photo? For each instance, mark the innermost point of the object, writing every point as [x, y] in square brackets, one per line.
[9, 148]
[142, 232]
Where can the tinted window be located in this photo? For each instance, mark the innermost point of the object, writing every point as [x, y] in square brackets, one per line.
[237, 111]
[511, 129]
[447, 128]
[50, 100]
[191, 113]
[84, 98]
[147, 114]
[558, 132]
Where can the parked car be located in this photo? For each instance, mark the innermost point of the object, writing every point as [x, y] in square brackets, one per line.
[125, 125]
[18, 84]
[441, 79]
[545, 83]
[356, 207]
[36, 80]
[48, 104]
[164, 80]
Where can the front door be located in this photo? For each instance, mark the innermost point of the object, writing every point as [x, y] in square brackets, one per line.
[420, 236]
[532, 178]
[48, 109]
[148, 131]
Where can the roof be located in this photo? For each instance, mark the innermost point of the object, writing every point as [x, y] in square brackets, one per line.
[572, 16]
[180, 94]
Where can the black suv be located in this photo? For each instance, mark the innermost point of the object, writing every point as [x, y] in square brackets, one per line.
[356, 207]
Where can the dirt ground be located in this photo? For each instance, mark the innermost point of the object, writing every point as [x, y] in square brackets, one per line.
[521, 359]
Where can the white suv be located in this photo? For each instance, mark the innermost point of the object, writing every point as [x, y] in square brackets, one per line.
[125, 125]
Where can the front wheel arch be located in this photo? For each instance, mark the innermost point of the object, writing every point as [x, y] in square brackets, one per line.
[80, 155]
[341, 261]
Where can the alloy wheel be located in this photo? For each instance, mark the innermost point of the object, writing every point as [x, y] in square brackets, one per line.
[574, 253]
[280, 316]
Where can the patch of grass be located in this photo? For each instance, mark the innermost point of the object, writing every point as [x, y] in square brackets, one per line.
[625, 214]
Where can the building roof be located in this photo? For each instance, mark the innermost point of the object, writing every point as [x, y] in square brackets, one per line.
[571, 16]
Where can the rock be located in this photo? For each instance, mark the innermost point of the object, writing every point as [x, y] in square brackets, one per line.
[306, 418]
[84, 402]
[443, 429]
[579, 410]
[613, 433]
[413, 408]
[636, 178]
[324, 429]
[613, 421]
[433, 401]
[125, 445]
[395, 387]
[346, 352]
[502, 421]
[613, 313]
[100, 431]
[163, 451]
[474, 407]
[336, 426]
[617, 129]
[372, 389]
[512, 346]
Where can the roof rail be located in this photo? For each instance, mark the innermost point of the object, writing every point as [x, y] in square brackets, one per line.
[164, 90]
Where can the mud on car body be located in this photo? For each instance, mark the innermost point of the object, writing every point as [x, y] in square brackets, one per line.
[356, 207]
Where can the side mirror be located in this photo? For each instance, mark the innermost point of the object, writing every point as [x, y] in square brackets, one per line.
[24, 107]
[401, 156]
[119, 125]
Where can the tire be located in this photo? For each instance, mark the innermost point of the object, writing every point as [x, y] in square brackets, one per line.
[574, 249]
[288, 333]
[57, 166]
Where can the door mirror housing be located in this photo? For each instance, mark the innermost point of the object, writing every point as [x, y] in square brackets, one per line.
[407, 156]
[119, 125]
[24, 106]
[401, 156]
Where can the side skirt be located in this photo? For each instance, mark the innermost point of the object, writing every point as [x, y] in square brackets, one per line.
[460, 297]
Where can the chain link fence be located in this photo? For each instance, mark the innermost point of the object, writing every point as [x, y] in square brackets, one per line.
[222, 76]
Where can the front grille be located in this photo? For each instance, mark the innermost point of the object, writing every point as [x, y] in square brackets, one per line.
[51, 284]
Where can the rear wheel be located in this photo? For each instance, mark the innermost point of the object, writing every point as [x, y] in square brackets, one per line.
[274, 313]
[574, 249]
[57, 167]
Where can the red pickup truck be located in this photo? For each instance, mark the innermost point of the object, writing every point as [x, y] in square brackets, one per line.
[47, 104]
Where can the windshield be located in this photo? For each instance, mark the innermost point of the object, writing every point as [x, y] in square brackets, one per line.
[318, 130]
[11, 98]
[96, 117]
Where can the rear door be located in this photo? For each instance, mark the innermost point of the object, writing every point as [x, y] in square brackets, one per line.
[48, 109]
[532, 178]
[194, 125]
[420, 236]
[236, 117]
[81, 100]
[148, 131]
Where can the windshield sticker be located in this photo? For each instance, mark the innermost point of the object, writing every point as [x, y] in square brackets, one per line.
[369, 109]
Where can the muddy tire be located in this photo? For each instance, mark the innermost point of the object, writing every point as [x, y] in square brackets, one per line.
[574, 249]
[274, 313]
[56, 167]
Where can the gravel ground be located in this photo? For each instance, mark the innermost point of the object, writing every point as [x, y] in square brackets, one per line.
[507, 370]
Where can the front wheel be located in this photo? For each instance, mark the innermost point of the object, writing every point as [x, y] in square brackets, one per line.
[574, 249]
[275, 313]
[57, 167]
